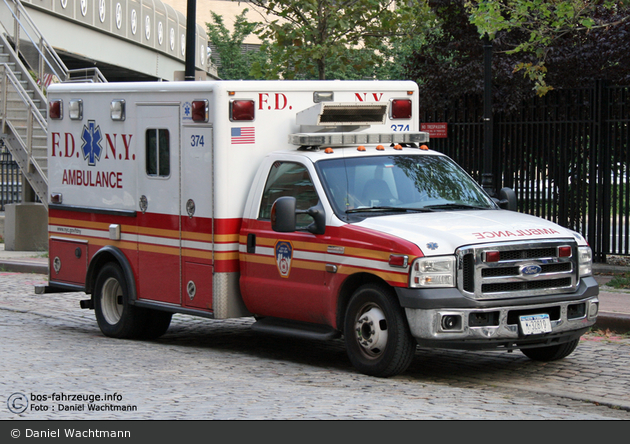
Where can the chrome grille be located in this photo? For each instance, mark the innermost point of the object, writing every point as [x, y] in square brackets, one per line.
[522, 269]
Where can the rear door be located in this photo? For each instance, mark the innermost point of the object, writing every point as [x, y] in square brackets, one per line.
[158, 203]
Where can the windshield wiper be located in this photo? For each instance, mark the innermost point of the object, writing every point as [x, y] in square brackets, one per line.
[389, 209]
[449, 206]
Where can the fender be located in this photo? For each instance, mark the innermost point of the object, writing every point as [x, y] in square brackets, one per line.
[108, 254]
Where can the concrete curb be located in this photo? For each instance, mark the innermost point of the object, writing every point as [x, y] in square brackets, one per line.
[615, 322]
[23, 267]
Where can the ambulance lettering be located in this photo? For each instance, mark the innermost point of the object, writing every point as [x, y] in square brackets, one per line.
[364, 97]
[275, 102]
[96, 146]
[517, 233]
[112, 142]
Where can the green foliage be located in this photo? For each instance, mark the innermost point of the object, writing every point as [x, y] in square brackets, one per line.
[234, 63]
[344, 39]
[541, 24]
[621, 281]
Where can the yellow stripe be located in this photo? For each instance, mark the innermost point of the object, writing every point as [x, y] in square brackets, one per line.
[343, 269]
[132, 229]
[389, 277]
[295, 263]
[363, 253]
[78, 223]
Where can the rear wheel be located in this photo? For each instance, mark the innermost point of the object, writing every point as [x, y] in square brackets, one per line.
[378, 341]
[116, 317]
[552, 353]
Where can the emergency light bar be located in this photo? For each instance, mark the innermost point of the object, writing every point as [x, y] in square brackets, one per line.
[343, 139]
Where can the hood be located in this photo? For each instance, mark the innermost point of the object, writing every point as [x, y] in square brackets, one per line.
[441, 233]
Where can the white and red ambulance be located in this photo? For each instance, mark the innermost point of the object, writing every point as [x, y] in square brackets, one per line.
[313, 206]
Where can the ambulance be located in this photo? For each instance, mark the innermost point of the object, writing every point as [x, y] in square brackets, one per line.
[316, 208]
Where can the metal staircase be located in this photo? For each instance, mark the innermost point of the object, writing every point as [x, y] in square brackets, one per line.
[25, 54]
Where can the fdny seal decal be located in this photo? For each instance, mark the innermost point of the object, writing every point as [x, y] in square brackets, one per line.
[284, 255]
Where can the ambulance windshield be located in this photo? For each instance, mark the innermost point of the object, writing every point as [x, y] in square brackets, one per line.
[402, 183]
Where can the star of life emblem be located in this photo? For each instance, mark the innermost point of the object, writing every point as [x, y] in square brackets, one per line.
[91, 147]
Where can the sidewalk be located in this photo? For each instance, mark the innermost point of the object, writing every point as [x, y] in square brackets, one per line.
[614, 305]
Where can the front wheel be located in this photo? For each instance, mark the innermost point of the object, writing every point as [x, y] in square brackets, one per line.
[116, 317]
[552, 353]
[377, 337]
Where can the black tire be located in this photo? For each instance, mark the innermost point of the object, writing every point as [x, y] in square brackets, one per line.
[377, 337]
[552, 353]
[116, 317]
[157, 324]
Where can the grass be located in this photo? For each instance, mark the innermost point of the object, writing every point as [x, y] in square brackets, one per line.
[621, 281]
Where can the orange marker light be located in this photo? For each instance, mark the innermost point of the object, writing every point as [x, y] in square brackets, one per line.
[328, 151]
[424, 147]
[398, 147]
[380, 148]
[360, 148]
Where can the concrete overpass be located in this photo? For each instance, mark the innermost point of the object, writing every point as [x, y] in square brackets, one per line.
[137, 40]
[75, 40]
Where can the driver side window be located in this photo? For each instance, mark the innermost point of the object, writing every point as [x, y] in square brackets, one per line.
[289, 179]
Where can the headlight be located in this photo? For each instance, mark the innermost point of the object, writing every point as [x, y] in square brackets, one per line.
[429, 272]
[585, 258]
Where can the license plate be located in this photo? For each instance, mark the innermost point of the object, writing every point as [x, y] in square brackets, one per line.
[535, 324]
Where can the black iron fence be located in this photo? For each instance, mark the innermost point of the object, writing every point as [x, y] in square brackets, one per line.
[10, 179]
[566, 155]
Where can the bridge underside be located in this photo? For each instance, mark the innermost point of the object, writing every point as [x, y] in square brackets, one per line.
[113, 73]
[139, 50]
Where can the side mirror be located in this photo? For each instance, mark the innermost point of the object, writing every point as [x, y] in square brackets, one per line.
[284, 212]
[319, 219]
[507, 199]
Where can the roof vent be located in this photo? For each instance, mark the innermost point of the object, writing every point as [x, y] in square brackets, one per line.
[343, 114]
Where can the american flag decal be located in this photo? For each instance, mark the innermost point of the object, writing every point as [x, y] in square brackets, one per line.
[242, 135]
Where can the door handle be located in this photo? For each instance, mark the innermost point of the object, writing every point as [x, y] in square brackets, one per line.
[251, 243]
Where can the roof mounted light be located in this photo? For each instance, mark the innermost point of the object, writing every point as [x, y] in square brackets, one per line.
[200, 110]
[242, 110]
[348, 138]
[55, 109]
[117, 109]
[75, 109]
[323, 96]
[401, 109]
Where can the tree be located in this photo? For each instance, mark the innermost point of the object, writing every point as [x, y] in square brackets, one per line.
[311, 39]
[448, 63]
[233, 62]
[544, 25]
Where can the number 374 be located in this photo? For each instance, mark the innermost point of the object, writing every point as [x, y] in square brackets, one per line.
[400, 127]
[196, 140]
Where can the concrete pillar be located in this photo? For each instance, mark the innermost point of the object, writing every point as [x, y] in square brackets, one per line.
[25, 227]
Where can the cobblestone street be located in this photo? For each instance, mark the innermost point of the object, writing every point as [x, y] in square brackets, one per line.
[204, 369]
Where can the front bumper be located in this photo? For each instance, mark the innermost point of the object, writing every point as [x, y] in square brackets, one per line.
[446, 319]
